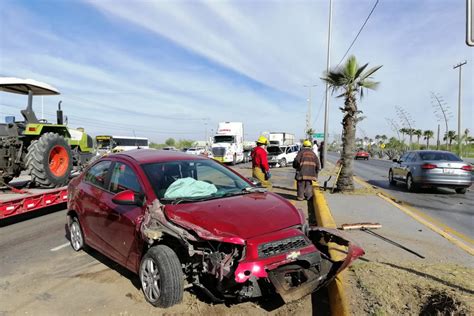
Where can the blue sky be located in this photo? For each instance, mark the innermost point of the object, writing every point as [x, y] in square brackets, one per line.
[176, 68]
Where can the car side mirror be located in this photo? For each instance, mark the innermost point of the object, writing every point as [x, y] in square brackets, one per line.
[128, 197]
[255, 182]
[395, 160]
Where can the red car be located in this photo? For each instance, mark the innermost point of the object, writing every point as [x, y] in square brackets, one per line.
[177, 219]
[361, 154]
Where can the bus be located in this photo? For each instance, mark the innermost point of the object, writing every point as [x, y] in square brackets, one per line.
[108, 143]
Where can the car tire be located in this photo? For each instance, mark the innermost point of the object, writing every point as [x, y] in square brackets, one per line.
[461, 190]
[76, 237]
[411, 186]
[391, 180]
[367, 158]
[282, 163]
[161, 277]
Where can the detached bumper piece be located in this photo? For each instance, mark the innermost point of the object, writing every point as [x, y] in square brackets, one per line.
[316, 270]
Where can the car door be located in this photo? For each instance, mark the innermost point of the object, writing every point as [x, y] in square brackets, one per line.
[90, 196]
[120, 223]
[292, 154]
[397, 169]
[405, 166]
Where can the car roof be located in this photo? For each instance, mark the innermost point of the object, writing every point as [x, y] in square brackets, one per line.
[143, 156]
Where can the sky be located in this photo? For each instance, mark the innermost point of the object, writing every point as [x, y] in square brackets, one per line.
[162, 69]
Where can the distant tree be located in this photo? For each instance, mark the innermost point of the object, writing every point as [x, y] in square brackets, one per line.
[450, 136]
[351, 80]
[170, 142]
[185, 143]
[383, 137]
[418, 133]
[309, 134]
[427, 135]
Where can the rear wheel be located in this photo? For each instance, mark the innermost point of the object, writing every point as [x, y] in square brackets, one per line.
[391, 180]
[461, 190]
[75, 235]
[411, 186]
[49, 160]
[161, 277]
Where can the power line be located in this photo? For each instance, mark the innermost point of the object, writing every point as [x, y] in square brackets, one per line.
[360, 30]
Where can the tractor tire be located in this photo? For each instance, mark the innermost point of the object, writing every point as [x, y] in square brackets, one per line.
[49, 161]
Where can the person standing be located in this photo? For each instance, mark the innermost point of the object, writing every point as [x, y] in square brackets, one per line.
[307, 168]
[321, 154]
[260, 168]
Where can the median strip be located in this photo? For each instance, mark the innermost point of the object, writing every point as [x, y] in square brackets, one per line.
[337, 296]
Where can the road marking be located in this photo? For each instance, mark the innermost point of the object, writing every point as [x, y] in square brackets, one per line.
[60, 247]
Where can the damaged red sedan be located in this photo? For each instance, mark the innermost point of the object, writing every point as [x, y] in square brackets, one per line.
[179, 221]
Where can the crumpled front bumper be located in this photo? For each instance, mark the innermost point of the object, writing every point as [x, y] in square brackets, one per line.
[298, 273]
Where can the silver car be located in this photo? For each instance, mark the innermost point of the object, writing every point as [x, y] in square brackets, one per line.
[431, 168]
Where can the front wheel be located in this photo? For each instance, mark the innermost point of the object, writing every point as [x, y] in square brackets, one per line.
[283, 163]
[161, 277]
[461, 190]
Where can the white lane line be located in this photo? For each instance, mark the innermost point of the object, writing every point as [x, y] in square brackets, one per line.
[60, 247]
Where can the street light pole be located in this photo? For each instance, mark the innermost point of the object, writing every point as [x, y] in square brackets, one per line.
[310, 105]
[326, 106]
[459, 105]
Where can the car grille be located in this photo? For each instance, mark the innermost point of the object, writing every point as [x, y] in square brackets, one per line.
[218, 151]
[281, 246]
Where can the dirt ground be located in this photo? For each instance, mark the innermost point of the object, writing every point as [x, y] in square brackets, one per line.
[383, 288]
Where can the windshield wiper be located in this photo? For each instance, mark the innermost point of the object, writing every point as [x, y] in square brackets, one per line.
[189, 199]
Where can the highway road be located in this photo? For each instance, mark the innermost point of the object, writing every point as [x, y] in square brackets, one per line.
[444, 205]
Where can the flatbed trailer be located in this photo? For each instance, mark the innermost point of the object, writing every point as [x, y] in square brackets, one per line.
[16, 200]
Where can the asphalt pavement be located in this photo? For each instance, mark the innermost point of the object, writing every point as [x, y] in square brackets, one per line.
[444, 205]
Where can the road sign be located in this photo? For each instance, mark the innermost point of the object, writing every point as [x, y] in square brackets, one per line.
[318, 135]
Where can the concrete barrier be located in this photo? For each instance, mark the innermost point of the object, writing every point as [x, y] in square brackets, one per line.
[337, 297]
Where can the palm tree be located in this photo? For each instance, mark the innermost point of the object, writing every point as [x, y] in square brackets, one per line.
[410, 132]
[418, 133]
[428, 134]
[450, 136]
[383, 137]
[309, 133]
[403, 131]
[352, 80]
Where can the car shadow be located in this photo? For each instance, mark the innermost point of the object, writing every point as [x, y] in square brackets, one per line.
[400, 187]
[134, 279]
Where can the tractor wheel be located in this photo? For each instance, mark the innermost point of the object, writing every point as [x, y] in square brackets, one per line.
[49, 161]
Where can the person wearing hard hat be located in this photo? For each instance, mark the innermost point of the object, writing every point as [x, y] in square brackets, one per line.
[307, 168]
[260, 168]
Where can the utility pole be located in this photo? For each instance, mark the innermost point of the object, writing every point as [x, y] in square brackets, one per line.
[437, 142]
[326, 107]
[308, 114]
[459, 105]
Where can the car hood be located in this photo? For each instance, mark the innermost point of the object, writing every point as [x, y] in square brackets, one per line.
[243, 216]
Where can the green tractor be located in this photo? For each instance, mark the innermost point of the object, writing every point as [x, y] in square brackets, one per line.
[48, 152]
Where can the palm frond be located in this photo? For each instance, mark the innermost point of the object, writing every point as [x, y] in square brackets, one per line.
[360, 70]
[369, 72]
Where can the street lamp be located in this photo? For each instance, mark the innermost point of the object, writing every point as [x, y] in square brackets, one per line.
[308, 115]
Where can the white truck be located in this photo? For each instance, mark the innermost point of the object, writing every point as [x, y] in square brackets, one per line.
[281, 138]
[228, 143]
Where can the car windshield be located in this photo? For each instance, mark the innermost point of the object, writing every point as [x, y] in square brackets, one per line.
[223, 139]
[193, 180]
[274, 150]
[434, 155]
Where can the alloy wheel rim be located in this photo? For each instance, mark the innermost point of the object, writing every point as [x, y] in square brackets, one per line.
[409, 182]
[150, 278]
[76, 236]
[390, 176]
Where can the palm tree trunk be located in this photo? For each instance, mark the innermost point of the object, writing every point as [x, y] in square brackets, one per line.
[427, 143]
[345, 181]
